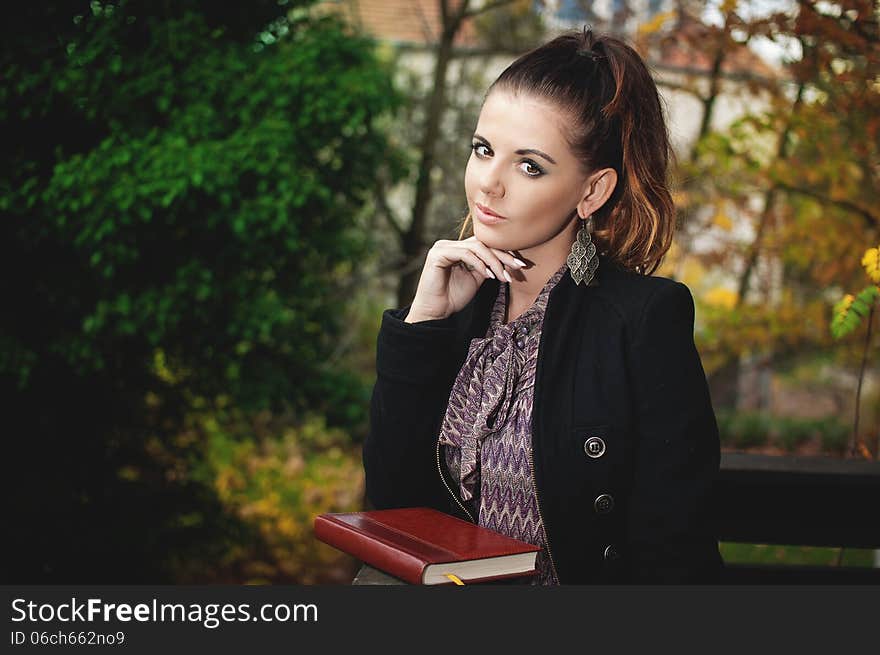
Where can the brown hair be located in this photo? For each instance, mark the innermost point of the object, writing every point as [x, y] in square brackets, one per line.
[617, 122]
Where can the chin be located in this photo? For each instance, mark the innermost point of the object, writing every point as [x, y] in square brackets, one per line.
[487, 237]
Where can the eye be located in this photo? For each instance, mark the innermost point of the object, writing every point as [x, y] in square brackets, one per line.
[538, 170]
[474, 147]
[534, 170]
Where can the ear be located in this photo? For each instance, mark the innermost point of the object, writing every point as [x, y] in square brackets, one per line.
[597, 189]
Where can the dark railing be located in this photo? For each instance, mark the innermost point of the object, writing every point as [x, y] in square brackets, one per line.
[804, 501]
[786, 500]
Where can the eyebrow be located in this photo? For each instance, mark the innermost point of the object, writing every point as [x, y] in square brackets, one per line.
[522, 151]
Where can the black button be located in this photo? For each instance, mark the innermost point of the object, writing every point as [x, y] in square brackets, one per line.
[524, 329]
[603, 504]
[594, 447]
[520, 343]
[611, 552]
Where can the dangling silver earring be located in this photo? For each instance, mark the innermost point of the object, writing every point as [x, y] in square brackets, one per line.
[583, 261]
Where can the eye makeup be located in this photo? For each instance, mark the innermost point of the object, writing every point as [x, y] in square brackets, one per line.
[530, 162]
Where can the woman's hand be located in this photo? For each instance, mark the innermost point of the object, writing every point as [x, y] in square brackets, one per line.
[453, 272]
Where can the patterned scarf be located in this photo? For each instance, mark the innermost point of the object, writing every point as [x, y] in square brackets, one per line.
[489, 380]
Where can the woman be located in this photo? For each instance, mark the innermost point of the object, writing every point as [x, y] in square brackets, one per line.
[534, 385]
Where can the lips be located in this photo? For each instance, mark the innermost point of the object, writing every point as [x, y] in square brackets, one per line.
[488, 211]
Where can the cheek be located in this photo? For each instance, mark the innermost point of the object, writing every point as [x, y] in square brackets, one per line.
[547, 209]
[551, 199]
[469, 181]
[537, 204]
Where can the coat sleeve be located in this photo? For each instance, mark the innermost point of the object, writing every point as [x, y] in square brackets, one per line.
[414, 375]
[671, 518]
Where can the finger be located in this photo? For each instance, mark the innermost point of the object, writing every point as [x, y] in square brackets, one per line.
[507, 257]
[494, 259]
[455, 252]
[472, 262]
[478, 273]
[516, 260]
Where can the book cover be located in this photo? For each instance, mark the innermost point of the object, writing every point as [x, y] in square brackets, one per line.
[424, 546]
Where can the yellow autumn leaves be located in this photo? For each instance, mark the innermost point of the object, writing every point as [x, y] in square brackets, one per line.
[871, 262]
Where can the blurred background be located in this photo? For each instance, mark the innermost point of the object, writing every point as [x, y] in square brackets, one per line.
[207, 206]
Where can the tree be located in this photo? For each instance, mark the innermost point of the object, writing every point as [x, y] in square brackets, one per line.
[414, 236]
[812, 158]
[182, 184]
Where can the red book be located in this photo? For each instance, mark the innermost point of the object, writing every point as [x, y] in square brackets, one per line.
[421, 545]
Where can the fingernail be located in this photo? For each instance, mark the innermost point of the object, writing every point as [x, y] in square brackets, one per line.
[519, 262]
[507, 275]
[490, 273]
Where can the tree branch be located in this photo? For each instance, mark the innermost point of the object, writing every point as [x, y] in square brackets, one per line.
[386, 210]
[681, 87]
[871, 220]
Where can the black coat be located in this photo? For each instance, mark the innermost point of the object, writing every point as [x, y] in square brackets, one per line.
[616, 361]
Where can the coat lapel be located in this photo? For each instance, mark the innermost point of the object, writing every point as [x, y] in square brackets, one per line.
[555, 458]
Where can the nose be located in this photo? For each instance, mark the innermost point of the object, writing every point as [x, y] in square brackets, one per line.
[490, 180]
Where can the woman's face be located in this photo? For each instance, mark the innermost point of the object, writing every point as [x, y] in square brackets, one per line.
[522, 169]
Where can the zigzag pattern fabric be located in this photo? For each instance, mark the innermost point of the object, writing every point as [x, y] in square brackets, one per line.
[487, 430]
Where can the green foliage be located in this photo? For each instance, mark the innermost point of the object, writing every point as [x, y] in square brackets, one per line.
[747, 429]
[849, 311]
[744, 553]
[792, 432]
[742, 429]
[212, 209]
[180, 197]
[833, 434]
